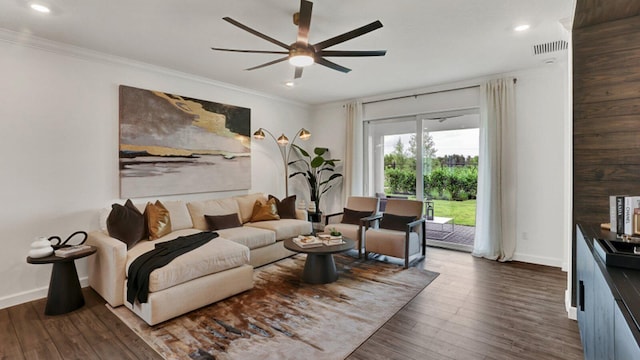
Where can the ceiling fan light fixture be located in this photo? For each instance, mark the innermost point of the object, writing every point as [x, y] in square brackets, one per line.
[301, 60]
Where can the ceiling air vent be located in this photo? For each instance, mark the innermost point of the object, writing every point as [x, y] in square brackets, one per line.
[550, 47]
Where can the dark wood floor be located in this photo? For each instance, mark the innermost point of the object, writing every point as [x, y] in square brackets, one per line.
[475, 309]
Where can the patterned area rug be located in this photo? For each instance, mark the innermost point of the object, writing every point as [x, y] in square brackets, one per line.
[283, 318]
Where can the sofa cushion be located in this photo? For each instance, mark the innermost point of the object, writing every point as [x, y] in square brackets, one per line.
[265, 211]
[286, 207]
[284, 228]
[217, 255]
[220, 222]
[180, 217]
[245, 205]
[158, 220]
[250, 237]
[126, 223]
[198, 209]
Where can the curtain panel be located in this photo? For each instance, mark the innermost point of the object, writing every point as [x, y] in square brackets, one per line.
[496, 204]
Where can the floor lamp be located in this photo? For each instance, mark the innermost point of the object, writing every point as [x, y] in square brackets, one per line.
[285, 148]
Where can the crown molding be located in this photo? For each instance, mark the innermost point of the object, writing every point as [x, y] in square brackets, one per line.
[35, 42]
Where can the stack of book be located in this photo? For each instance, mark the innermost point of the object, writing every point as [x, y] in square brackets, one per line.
[71, 250]
[328, 239]
[624, 214]
[307, 241]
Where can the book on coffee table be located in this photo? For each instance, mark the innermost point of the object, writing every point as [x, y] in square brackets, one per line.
[307, 241]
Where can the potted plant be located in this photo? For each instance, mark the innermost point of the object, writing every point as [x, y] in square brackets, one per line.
[318, 171]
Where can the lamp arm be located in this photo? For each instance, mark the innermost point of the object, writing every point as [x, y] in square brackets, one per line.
[284, 161]
[291, 143]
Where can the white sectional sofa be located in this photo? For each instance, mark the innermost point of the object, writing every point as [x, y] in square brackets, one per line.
[221, 268]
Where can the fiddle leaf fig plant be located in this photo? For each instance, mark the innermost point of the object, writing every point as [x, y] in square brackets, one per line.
[319, 172]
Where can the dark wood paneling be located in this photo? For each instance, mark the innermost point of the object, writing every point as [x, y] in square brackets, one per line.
[606, 103]
[592, 12]
[606, 109]
[612, 35]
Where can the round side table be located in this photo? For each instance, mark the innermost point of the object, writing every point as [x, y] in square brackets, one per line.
[65, 294]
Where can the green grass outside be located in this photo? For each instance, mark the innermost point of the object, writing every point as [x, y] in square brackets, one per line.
[462, 212]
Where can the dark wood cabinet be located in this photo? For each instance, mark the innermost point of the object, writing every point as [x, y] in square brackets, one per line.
[607, 328]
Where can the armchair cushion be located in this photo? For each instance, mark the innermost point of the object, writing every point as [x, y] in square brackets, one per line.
[286, 207]
[395, 222]
[353, 217]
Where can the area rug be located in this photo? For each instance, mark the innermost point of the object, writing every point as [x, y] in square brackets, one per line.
[284, 318]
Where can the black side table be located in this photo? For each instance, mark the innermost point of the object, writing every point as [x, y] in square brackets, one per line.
[65, 294]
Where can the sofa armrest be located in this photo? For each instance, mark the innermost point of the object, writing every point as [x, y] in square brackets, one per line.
[107, 267]
[302, 215]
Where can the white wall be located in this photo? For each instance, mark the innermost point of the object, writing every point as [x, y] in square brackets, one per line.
[542, 173]
[59, 145]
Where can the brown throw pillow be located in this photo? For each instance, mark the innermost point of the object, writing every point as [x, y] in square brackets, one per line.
[263, 212]
[353, 216]
[158, 220]
[221, 222]
[286, 207]
[395, 222]
[126, 224]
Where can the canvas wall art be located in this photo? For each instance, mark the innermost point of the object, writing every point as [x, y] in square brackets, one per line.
[171, 144]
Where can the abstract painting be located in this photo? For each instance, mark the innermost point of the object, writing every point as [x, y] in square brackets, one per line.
[171, 144]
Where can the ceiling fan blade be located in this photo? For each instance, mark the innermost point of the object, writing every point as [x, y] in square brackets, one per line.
[256, 33]
[348, 35]
[298, 73]
[352, 53]
[332, 65]
[304, 21]
[269, 63]
[251, 51]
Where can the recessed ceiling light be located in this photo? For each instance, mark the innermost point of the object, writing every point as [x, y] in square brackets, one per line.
[290, 84]
[40, 8]
[522, 27]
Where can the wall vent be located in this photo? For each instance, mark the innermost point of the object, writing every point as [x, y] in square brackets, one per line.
[550, 47]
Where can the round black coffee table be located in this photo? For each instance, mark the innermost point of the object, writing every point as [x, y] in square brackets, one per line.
[320, 268]
[65, 294]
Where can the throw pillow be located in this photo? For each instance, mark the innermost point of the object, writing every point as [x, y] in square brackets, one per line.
[353, 216]
[395, 222]
[158, 220]
[221, 222]
[286, 207]
[126, 224]
[263, 212]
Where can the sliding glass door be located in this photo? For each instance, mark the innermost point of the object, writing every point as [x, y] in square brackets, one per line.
[443, 148]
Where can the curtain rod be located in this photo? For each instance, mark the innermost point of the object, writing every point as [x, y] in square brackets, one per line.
[426, 93]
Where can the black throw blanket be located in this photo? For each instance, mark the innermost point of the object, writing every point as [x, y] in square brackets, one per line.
[164, 253]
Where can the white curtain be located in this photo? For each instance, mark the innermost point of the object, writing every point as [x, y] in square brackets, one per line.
[496, 205]
[352, 174]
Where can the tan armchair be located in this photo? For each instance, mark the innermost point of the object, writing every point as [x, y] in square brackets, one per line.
[400, 233]
[348, 222]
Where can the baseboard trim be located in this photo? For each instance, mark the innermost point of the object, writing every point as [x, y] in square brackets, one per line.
[31, 295]
[540, 260]
[572, 311]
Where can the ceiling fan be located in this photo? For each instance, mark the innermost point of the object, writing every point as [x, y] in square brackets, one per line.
[302, 53]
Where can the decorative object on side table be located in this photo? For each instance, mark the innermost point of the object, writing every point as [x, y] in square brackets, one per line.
[314, 169]
[285, 148]
[40, 247]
